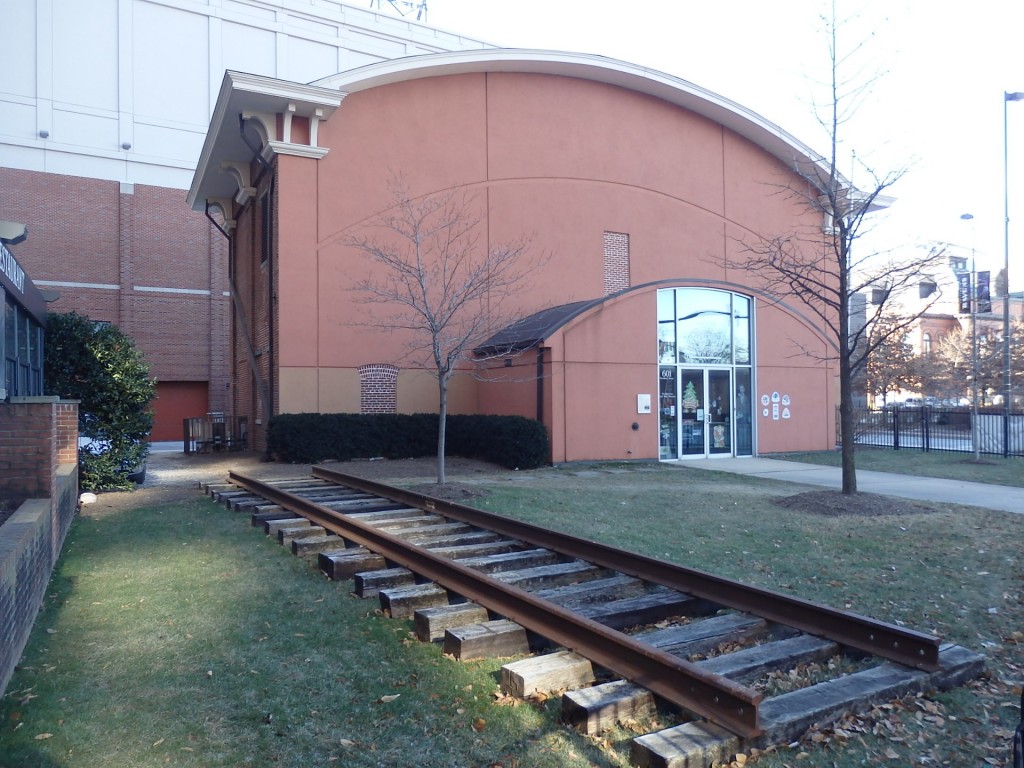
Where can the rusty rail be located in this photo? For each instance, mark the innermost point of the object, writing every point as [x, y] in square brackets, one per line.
[914, 649]
[721, 700]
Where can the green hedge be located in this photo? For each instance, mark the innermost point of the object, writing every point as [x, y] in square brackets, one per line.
[305, 438]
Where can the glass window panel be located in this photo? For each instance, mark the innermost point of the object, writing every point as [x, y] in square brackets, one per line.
[37, 358]
[10, 329]
[669, 437]
[705, 335]
[666, 326]
[23, 337]
[741, 330]
[744, 413]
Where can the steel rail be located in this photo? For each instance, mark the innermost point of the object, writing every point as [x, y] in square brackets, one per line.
[914, 649]
[717, 698]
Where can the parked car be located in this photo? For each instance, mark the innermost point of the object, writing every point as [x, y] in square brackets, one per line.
[910, 402]
[136, 472]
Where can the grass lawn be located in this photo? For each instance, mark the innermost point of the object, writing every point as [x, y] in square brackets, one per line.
[171, 633]
[954, 466]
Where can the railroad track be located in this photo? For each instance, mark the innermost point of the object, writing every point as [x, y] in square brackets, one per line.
[489, 585]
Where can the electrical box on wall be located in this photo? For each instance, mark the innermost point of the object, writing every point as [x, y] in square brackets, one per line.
[643, 403]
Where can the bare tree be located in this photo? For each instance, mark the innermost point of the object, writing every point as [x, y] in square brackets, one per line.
[955, 362]
[820, 267]
[890, 368]
[440, 283]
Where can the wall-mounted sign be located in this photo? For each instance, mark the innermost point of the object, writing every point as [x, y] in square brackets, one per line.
[20, 287]
[11, 270]
[779, 403]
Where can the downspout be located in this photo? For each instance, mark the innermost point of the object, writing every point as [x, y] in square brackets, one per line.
[227, 235]
[243, 326]
[271, 303]
[256, 151]
[540, 384]
[265, 388]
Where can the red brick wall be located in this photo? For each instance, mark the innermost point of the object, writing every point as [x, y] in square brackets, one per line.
[38, 464]
[67, 432]
[378, 389]
[616, 262]
[28, 445]
[130, 240]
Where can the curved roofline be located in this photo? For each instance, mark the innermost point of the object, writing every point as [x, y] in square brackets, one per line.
[243, 96]
[775, 140]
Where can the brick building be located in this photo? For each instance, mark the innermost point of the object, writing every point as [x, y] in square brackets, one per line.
[644, 336]
[103, 110]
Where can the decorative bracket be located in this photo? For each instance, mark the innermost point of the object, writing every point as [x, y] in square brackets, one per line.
[241, 174]
[223, 206]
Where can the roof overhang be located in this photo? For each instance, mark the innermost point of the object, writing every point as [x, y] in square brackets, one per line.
[531, 331]
[271, 104]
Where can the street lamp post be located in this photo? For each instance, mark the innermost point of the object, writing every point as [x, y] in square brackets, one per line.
[1007, 377]
[973, 298]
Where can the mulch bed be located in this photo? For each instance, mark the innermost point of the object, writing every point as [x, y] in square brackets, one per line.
[838, 504]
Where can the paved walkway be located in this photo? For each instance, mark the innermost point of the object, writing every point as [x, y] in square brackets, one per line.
[1000, 497]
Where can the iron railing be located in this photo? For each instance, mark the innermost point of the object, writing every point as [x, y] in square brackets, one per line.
[936, 428]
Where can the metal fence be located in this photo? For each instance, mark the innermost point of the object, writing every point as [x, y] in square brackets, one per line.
[931, 428]
[215, 432]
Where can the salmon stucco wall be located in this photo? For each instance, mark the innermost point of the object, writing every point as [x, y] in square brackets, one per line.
[559, 162]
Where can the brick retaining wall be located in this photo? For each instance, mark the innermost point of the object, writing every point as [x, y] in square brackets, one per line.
[38, 462]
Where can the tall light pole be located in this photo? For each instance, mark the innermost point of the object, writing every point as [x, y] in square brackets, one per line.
[975, 442]
[1007, 377]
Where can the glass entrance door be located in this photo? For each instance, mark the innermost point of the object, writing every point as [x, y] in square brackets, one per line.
[705, 418]
[692, 412]
[719, 404]
[705, 373]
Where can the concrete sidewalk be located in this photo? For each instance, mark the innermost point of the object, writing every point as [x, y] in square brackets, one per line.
[1000, 497]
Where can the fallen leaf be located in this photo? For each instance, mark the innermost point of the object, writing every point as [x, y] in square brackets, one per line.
[42, 736]
[389, 698]
[158, 742]
[479, 724]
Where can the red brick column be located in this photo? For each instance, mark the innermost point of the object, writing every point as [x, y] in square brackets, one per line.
[37, 435]
[67, 431]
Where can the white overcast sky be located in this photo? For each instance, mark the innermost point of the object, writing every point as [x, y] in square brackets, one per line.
[937, 110]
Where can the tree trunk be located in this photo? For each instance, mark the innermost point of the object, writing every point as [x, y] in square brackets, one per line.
[442, 420]
[846, 429]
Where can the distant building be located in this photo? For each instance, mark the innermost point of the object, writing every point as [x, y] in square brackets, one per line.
[944, 301]
[103, 110]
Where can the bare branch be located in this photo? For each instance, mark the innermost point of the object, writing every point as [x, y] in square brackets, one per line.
[436, 279]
